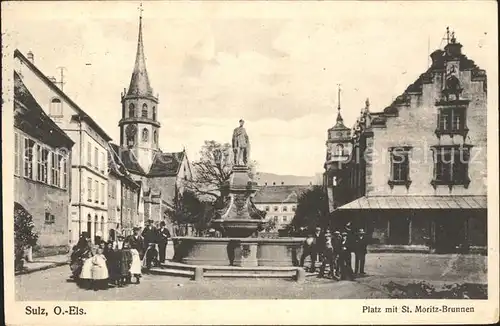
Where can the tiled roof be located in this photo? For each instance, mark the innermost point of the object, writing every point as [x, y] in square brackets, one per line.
[30, 118]
[128, 159]
[279, 194]
[116, 165]
[81, 114]
[417, 202]
[166, 164]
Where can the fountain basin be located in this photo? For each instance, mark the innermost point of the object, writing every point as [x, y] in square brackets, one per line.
[243, 252]
[238, 228]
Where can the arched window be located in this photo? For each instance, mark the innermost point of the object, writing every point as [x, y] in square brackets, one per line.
[102, 225]
[145, 135]
[131, 110]
[55, 107]
[89, 224]
[144, 110]
[154, 112]
[339, 150]
[155, 136]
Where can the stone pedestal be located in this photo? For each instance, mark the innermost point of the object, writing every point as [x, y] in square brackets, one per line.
[245, 255]
[235, 219]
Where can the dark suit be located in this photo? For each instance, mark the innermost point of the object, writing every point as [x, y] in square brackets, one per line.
[360, 252]
[163, 235]
[309, 250]
[137, 243]
[150, 235]
[345, 260]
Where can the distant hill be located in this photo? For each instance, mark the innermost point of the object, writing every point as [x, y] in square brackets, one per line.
[276, 179]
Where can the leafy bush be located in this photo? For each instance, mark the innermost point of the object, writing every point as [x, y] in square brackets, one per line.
[24, 235]
[423, 290]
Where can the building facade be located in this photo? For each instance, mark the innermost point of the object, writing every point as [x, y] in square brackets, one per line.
[417, 171]
[42, 178]
[89, 162]
[279, 203]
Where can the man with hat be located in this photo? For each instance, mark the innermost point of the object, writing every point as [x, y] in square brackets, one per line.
[327, 256]
[309, 250]
[345, 258]
[136, 241]
[336, 244]
[360, 252]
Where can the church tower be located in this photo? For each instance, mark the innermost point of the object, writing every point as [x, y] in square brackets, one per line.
[139, 127]
[338, 150]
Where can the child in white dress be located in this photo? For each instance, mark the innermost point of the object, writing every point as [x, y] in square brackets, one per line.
[135, 268]
[99, 270]
[86, 272]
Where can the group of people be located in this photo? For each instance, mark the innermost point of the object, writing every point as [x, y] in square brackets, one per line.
[115, 262]
[336, 251]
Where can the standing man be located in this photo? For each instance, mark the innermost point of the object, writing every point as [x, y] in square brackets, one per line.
[241, 145]
[309, 249]
[327, 256]
[336, 244]
[149, 234]
[351, 239]
[163, 236]
[360, 252]
[345, 259]
[136, 241]
[319, 243]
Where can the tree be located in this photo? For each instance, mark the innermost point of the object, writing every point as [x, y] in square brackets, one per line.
[312, 209]
[24, 235]
[213, 170]
[192, 210]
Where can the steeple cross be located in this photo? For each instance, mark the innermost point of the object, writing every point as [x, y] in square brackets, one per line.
[140, 10]
[338, 97]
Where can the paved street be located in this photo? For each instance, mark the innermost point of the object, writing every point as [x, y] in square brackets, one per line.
[52, 284]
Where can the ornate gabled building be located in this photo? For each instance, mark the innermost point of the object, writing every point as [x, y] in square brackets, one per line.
[416, 177]
[160, 174]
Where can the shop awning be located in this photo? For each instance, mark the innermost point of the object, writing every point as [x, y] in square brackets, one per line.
[417, 202]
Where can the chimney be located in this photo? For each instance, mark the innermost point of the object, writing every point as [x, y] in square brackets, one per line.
[31, 57]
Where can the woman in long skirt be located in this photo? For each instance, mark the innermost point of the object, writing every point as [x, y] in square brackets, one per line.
[124, 262]
[81, 251]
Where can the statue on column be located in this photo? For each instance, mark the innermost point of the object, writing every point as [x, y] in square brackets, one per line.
[241, 145]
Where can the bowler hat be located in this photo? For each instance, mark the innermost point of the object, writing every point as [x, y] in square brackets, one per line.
[137, 228]
[336, 232]
[344, 233]
[328, 234]
[361, 231]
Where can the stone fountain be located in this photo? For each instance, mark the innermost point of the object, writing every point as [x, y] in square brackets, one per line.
[239, 222]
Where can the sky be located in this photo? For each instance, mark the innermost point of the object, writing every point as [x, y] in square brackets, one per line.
[274, 64]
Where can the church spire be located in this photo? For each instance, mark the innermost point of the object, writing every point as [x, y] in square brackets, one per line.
[340, 120]
[139, 83]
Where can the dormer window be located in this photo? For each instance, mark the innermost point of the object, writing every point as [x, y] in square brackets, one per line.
[131, 110]
[55, 109]
[144, 110]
